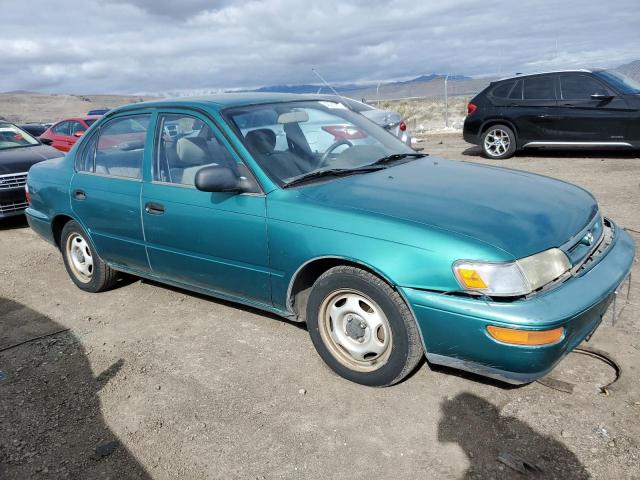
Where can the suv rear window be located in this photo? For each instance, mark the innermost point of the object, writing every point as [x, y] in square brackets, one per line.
[502, 90]
[539, 88]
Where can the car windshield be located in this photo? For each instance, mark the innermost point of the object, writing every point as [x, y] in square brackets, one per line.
[619, 81]
[294, 139]
[90, 121]
[14, 137]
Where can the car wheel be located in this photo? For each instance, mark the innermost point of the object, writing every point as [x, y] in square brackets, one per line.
[362, 328]
[83, 264]
[498, 142]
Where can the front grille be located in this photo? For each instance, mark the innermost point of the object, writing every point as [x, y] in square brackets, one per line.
[603, 245]
[12, 207]
[13, 180]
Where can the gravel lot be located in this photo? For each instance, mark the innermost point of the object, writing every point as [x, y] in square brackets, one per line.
[153, 382]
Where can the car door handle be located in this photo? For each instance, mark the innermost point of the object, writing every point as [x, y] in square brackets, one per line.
[542, 116]
[153, 208]
[79, 195]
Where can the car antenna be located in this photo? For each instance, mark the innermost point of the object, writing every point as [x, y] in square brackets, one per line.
[327, 84]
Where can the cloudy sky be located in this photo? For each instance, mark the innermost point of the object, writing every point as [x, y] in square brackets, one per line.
[133, 46]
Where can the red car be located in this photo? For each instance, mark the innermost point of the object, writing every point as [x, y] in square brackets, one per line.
[65, 133]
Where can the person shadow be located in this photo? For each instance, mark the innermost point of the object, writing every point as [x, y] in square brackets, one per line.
[51, 424]
[500, 446]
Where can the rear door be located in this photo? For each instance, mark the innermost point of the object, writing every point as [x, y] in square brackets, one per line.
[533, 108]
[582, 118]
[105, 191]
[215, 241]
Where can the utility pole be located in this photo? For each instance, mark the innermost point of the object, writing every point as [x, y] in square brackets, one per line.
[378, 94]
[446, 102]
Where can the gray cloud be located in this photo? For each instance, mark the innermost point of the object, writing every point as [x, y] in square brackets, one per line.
[149, 46]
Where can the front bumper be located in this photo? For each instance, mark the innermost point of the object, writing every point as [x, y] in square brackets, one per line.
[454, 328]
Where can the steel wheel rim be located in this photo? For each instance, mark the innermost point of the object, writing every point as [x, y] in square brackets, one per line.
[79, 257]
[497, 142]
[355, 330]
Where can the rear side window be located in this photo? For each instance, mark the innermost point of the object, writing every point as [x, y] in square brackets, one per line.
[580, 87]
[63, 128]
[539, 88]
[86, 156]
[503, 90]
[120, 147]
[516, 92]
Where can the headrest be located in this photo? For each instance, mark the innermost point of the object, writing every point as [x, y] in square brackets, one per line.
[262, 140]
[192, 151]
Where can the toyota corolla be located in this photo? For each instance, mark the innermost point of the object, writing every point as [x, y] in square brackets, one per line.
[387, 254]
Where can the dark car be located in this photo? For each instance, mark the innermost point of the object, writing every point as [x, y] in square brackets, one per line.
[34, 129]
[18, 152]
[565, 109]
[98, 111]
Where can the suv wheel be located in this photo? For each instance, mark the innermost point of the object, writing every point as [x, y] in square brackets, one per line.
[362, 328]
[498, 142]
[83, 265]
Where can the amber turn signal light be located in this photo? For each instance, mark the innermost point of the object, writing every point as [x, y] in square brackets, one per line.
[525, 337]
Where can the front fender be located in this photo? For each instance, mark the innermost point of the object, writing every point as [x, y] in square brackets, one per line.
[406, 254]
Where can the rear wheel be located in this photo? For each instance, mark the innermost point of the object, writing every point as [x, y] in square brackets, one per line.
[362, 328]
[84, 266]
[498, 142]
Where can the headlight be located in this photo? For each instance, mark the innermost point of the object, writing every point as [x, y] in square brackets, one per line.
[512, 278]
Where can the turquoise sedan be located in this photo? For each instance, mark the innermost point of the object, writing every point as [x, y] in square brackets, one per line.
[299, 206]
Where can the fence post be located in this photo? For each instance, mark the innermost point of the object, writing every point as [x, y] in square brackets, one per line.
[446, 102]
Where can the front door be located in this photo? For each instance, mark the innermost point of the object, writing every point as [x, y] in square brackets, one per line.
[582, 118]
[105, 192]
[215, 241]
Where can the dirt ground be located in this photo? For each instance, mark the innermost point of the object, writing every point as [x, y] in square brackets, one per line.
[153, 382]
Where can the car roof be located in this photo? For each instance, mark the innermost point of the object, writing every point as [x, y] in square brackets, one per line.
[521, 75]
[221, 101]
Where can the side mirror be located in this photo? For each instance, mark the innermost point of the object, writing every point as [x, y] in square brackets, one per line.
[78, 133]
[601, 96]
[218, 179]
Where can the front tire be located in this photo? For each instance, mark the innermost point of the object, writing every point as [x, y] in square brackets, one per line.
[362, 328]
[84, 266]
[498, 142]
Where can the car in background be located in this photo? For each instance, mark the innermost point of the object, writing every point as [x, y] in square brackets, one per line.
[34, 129]
[387, 254]
[18, 152]
[561, 109]
[387, 119]
[65, 133]
[98, 111]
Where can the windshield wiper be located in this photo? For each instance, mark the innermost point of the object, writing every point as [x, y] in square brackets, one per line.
[397, 156]
[331, 172]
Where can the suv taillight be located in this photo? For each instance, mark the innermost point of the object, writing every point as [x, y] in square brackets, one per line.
[471, 107]
[27, 194]
[403, 126]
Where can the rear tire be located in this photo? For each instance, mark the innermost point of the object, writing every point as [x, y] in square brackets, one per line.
[362, 328]
[84, 266]
[498, 142]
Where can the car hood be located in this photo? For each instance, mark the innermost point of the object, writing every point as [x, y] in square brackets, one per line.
[518, 212]
[18, 160]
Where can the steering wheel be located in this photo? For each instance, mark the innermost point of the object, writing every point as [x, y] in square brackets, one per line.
[332, 147]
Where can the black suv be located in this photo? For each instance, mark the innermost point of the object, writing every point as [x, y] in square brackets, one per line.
[576, 108]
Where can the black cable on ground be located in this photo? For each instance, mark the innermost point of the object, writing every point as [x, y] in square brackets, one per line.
[4, 349]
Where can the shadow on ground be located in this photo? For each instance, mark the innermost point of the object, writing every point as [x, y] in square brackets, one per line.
[477, 426]
[12, 223]
[561, 153]
[51, 424]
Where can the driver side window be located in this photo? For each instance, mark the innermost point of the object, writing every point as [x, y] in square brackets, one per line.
[185, 144]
